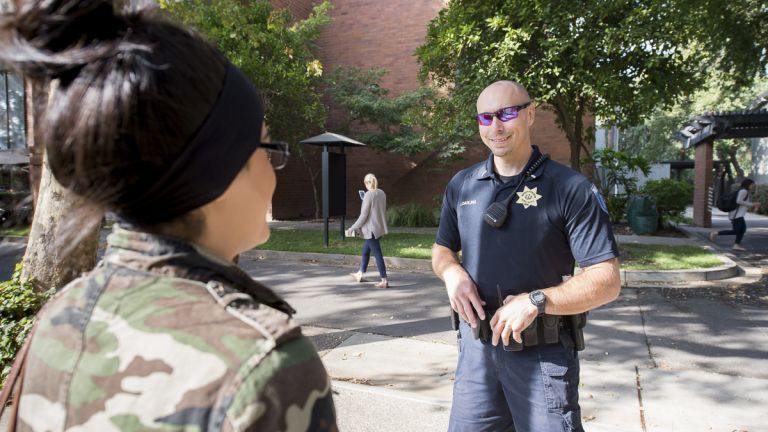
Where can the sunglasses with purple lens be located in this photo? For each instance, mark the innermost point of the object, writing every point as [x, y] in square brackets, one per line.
[504, 114]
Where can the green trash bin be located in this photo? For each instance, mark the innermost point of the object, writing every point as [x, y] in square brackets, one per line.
[642, 215]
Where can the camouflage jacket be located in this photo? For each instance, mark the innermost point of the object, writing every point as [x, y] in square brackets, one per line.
[162, 336]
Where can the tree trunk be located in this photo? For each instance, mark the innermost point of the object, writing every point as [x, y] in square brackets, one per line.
[569, 129]
[732, 151]
[52, 260]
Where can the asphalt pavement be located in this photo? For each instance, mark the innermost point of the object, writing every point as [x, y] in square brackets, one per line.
[666, 356]
[657, 359]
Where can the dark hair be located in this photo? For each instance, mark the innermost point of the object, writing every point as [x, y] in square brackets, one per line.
[746, 183]
[127, 92]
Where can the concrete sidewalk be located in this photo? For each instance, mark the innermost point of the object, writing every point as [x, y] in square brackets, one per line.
[657, 359]
[755, 240]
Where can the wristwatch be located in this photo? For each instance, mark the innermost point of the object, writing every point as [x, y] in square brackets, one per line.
[538, 299]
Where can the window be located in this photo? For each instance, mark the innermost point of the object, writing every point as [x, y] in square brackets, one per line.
[12, 119]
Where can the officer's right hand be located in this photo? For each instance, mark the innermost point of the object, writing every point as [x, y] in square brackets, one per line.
[462, 293]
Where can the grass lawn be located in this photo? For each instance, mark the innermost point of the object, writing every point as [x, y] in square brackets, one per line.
[657, 257]
[403, 245]
[15, 231]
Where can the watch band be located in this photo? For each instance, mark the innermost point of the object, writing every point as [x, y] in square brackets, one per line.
[538, 299]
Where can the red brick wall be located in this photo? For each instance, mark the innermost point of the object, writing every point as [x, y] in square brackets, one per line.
[300, 9]
[373, 33]
[550, 139]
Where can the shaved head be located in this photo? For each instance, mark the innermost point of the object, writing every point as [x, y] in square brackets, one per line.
[512, 89]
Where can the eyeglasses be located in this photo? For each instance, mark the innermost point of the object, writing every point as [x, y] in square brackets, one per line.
[504, 114]
[277, 153]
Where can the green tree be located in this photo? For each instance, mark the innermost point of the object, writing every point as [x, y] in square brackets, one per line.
[615, 59]
[732, 36]
[273, 50]
[390, 120]
[656, 137]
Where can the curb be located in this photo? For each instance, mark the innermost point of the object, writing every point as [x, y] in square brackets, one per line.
[728, 270]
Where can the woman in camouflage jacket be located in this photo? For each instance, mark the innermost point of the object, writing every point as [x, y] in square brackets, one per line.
[149, 122]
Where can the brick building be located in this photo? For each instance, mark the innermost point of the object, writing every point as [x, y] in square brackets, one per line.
[375, 34]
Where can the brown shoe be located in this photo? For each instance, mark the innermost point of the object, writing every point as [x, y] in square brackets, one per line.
[358, 277]
[738, 248]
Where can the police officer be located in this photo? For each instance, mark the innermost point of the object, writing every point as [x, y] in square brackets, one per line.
[521, 223]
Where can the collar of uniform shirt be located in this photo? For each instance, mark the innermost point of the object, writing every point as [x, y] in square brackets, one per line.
[486, 172]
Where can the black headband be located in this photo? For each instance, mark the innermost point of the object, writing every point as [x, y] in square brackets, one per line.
[210, 161]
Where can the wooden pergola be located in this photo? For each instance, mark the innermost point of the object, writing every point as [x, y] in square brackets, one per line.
[701, 133]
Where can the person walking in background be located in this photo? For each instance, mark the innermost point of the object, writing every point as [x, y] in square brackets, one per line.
[738, 225]
[148, 121]
[372, 223]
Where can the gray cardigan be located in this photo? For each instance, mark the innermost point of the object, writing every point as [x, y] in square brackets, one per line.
[372, 221]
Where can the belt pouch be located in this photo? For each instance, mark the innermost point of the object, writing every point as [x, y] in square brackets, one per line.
[549, 328]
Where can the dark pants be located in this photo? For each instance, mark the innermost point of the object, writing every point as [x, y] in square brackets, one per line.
[738, 228]
[372, 245]
[533, 390]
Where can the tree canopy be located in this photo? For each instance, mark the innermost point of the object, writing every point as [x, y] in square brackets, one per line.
[390, 120]
[656, 137]
[732, 37]
[273, 50]
[616, 59]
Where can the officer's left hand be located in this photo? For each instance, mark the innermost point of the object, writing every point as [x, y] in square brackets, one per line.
[511, 319]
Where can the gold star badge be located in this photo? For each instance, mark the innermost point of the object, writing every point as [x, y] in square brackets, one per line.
[528, 197]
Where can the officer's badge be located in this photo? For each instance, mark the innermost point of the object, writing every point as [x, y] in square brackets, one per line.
[528, 197]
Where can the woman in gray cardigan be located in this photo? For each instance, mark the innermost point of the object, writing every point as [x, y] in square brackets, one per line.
[372, 224]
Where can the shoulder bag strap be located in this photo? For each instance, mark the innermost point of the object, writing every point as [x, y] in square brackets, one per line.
[15, 380]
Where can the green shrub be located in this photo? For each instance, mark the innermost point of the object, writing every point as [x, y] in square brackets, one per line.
[617, 169]
[410, 215]
[672, 196]
[19, 303]
[761, 195]
[617, 207]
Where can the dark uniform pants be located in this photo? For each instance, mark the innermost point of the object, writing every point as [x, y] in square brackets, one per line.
[533, 390]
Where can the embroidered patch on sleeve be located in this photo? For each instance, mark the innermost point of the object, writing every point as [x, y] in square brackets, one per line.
[600, 199]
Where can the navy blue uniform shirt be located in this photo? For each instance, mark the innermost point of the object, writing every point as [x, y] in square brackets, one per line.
[557, 218]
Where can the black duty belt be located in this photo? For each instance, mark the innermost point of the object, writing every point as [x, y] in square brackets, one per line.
[545, 329]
